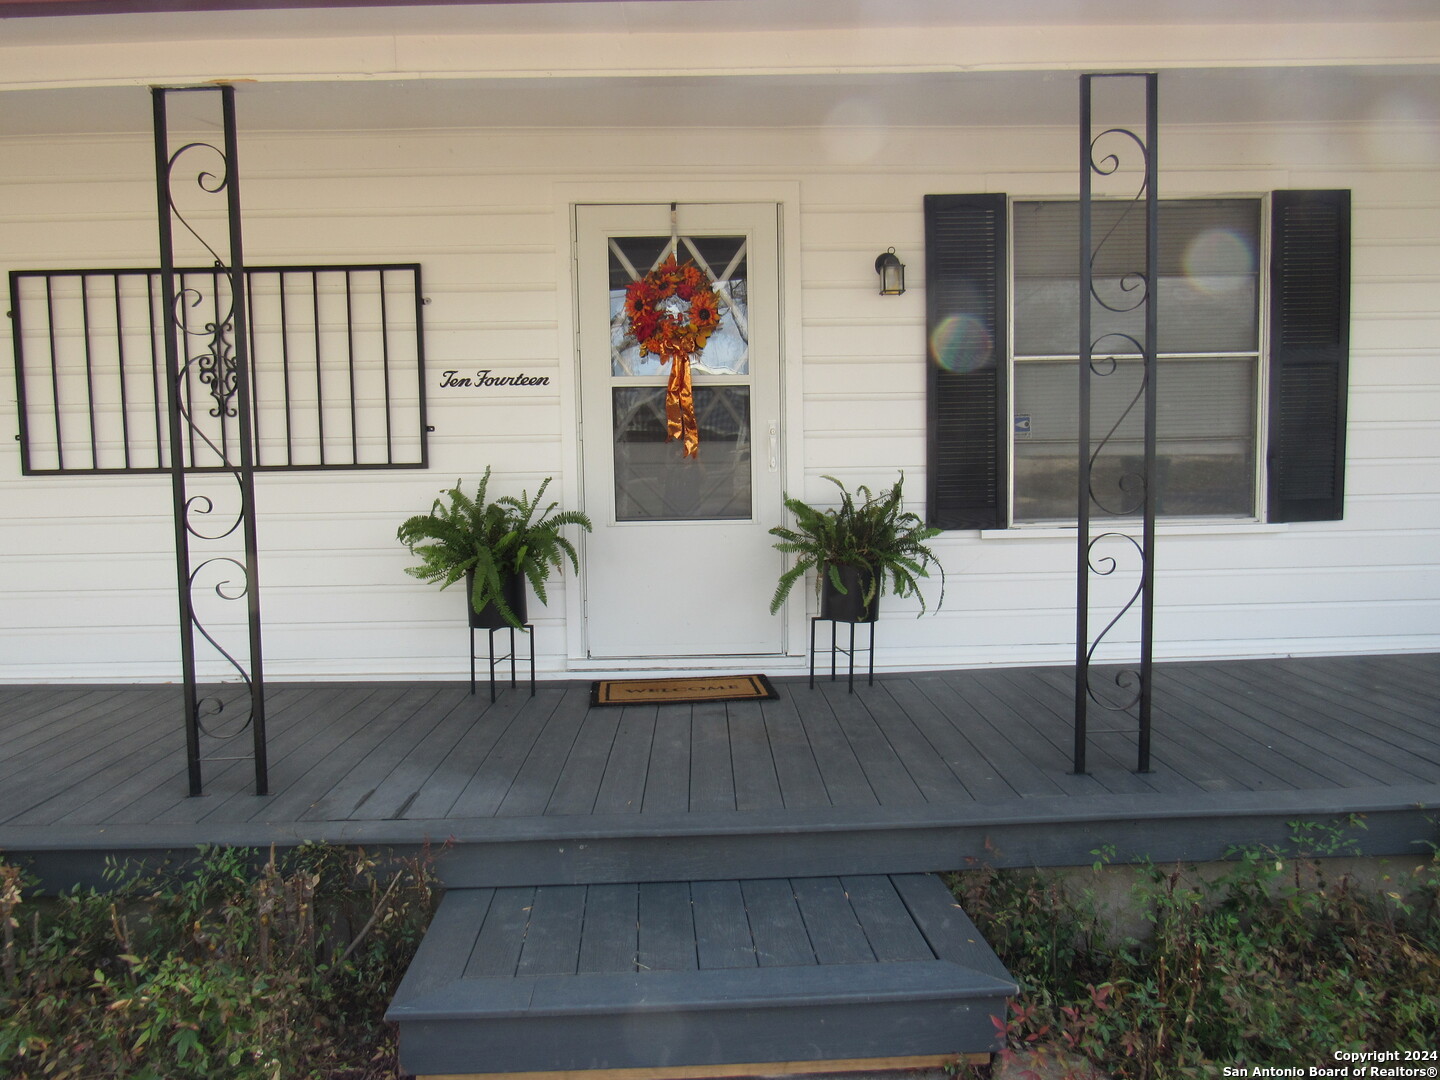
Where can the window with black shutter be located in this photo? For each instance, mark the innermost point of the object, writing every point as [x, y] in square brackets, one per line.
[1002, 413]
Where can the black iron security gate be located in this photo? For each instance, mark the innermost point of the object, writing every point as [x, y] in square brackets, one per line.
[335, 353]
[1112, 300]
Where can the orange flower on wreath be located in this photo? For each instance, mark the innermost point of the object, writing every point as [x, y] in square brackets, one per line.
[672, 310]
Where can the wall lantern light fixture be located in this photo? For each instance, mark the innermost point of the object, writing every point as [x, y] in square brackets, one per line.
[892, 273]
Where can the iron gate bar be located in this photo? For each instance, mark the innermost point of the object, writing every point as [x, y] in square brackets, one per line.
[120, 364]
[1086, 564]
[285, 372]
[180, 382]
[89, 369]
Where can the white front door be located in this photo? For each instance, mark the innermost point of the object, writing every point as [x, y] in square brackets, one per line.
[681, 563]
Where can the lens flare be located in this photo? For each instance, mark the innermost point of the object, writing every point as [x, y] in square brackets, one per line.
[962, 343]
[1219, 261]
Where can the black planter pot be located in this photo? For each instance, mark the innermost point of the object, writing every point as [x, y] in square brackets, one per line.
[489, 617]
[850, 605]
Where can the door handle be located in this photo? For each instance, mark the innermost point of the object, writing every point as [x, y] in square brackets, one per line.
[774, 446]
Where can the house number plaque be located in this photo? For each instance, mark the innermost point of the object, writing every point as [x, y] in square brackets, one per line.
[485, 378]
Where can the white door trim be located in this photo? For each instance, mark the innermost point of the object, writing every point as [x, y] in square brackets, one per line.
[784, 194]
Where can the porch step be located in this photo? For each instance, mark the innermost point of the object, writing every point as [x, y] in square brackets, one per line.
[698, 977]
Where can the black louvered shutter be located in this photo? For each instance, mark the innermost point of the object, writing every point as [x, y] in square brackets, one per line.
[965, 305]
[1309, 354]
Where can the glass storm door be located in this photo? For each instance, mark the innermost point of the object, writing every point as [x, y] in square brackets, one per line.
[681, 562]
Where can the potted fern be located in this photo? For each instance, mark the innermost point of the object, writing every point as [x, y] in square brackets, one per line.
[496, 546]
[854, 548]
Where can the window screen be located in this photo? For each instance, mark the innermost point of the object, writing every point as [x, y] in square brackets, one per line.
[1207, 300]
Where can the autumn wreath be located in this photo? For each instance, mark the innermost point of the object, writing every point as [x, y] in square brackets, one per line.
[672, 312]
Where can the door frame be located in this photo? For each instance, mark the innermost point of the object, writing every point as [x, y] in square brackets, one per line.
[785, 195]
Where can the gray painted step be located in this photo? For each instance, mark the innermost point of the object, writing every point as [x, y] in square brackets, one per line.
[671, 974]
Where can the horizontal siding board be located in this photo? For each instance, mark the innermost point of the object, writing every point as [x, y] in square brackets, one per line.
[479, 211]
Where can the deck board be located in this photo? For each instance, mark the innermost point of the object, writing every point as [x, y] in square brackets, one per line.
[393, 772]
[844, 777]
[830, 923]
[622, 788]
[960, 765]
[978, 776]
[1051, 702]
[1308, 741]
[610, 943]
[535, 783]
[722, 925]
[1027, 777]
[584, 769]
[879, 760]
[776, 926]
[801, 784]
[883, 918]
[355, 768]
[487, 788]
[1044, 743]
[667, 928]
[712, 768]
[667, 784]
[53, 766]
[552, 941]
[757, 785]
[1222, 724]
[1391, 735]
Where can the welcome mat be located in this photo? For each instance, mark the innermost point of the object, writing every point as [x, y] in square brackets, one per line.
[681, 691]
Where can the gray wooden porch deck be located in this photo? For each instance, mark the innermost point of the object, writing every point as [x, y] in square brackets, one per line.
[916, 773]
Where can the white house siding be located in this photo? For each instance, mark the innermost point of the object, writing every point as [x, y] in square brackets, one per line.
[87, 577]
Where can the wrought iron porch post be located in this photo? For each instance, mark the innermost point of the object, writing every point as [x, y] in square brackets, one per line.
[219, 363]
[1152, 409]
[1082, 496]
[1135, 686]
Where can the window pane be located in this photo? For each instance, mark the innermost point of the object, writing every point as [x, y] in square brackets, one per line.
[1207, 293]
[723, 259]
[1205, 443]
[655, 482]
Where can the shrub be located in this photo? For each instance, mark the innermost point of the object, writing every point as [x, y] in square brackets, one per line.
[232, 966]
[1276, 963]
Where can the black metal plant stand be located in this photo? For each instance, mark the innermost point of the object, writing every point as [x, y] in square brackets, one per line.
[528, 631]
[837, 650]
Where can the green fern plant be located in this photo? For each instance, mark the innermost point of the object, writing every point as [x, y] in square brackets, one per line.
[869, 531]
[491, 540]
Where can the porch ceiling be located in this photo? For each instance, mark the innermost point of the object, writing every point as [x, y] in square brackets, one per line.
[686, 16]
[891, 46]
[1369, 95]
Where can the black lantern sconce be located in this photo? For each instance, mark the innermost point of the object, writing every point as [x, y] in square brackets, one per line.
[892, 274]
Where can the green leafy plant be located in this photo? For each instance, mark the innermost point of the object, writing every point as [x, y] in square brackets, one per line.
[232, 965]
[1274, 958]
[491, 540]
[869, 531]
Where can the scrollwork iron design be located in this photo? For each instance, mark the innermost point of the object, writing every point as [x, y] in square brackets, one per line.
[1131, 485]
[213, 704]
[207, 182]
[1126, 679]
[210, 352]
[1130, 492]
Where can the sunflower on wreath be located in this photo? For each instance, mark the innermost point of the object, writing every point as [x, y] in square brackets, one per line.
[672, 312]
